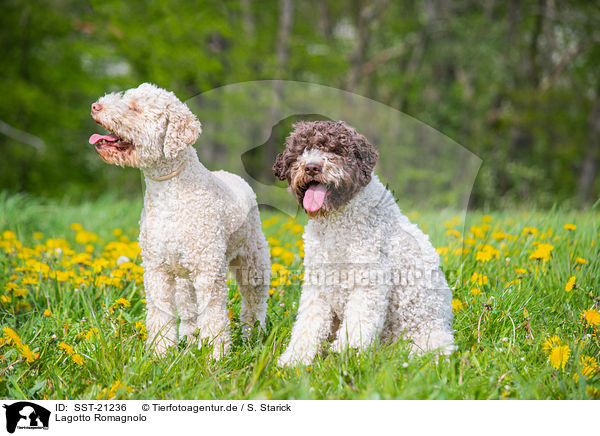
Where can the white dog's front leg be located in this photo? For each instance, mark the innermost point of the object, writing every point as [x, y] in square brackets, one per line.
[311, 328]
[211, 304]
[364, 317]
[185, 298]
[161, 321]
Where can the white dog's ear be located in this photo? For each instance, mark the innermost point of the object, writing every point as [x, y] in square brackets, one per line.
[183, 129]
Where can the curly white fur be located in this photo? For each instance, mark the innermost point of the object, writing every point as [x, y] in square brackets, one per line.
[369, 274]
[194, 226]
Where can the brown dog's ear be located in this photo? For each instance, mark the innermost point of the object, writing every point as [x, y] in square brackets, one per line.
[280, 169]
[183, 129]
[366, 156]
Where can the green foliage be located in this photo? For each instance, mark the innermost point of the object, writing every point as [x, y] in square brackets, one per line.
[513, 82]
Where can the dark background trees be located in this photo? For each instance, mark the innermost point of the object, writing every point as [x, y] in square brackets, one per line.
[517, 83]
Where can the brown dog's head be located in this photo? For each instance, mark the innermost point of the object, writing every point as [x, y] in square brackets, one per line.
[325, 164]
[147, 125]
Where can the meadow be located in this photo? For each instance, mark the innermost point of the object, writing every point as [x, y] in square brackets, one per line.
[525, 302]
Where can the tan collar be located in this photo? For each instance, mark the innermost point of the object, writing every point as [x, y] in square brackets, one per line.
[169, 176]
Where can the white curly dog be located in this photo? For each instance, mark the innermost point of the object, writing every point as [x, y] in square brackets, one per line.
[369, 273]
[195, 225]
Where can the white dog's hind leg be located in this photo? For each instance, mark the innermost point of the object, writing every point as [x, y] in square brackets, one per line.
[185, 298]
[211, 304]
[161, 321]
[253, 274]
[312, 327]
[364, 317]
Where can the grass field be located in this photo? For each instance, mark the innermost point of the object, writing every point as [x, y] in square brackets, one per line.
[526, 297]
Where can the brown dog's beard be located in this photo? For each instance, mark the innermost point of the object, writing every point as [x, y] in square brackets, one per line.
[340, 189]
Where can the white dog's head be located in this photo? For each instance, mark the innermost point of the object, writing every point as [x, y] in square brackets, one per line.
[147, 124]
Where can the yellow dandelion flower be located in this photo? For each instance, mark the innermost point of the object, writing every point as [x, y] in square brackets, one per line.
[581, 261]
[559, 356]
[76, 227]
[530, 231]
[521, 271]
[275, 267]
[442, 251]
[542, 252]
[68, 349]
[551, 343]
[9, 235]
[570, 227]
[592, 391]
[287, 257]
[297, 228]
[276, 251]
[77, 359]
[271, 291]
[5, 299]
[48, 312]
[470, 242]
[483, 256]
[29, 280]
[38, 235]
[26, 352]
[478, 232]
[479, 279]
[122, 302]
[10, 286]
[453, 232]
[589, 366]
[486, 218]
[499, 236]
[592, 317]
[475, 291]
[85, 237]
[457, 305]
[273, 241]
[11, 336]
[570, 284]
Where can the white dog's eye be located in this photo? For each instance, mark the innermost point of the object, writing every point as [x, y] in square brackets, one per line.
[134, 108]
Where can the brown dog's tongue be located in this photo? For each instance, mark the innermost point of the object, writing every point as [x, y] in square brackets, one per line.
[314, 197]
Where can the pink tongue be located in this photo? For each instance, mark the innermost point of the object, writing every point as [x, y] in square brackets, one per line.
[314, 197]
[97, 138]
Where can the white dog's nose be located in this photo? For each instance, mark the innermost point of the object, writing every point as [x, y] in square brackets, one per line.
[96, 107]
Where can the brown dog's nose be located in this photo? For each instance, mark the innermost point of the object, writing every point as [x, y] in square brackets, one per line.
[96, 107]
[312, 169]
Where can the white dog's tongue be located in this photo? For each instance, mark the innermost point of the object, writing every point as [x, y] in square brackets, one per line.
[97, 138]
[314, 197]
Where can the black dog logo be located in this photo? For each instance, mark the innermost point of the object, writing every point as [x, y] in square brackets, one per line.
[28, 415]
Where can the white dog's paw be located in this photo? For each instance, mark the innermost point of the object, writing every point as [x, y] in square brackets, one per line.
[220, 348]
[292, 359]
[160, 345]
[336, 346]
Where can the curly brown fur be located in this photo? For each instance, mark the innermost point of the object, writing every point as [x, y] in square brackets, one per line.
[347, 160]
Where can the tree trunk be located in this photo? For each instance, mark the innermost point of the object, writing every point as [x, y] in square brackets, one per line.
[286, 15]
[589, 168]
[247, 18]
